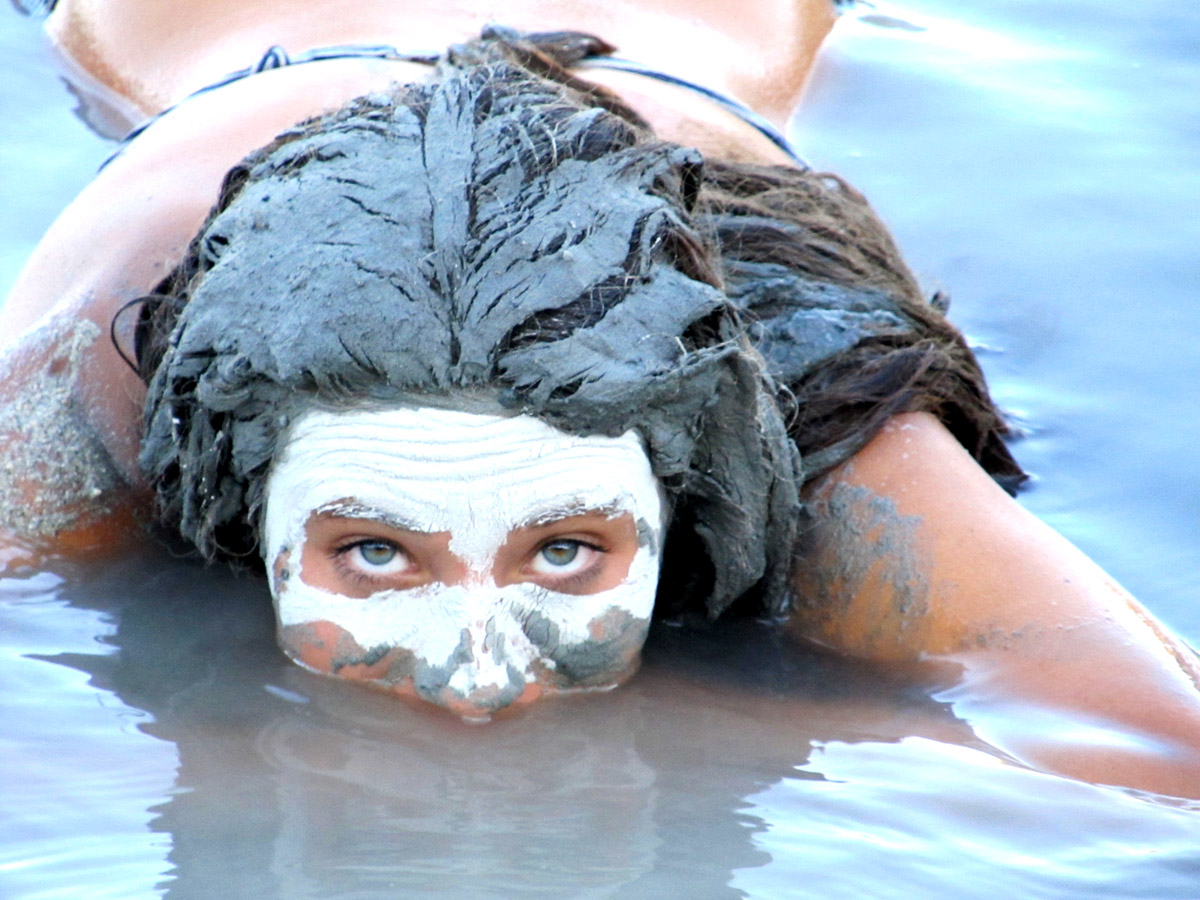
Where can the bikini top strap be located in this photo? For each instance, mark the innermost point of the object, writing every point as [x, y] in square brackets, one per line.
[277, 57]
[732, 104]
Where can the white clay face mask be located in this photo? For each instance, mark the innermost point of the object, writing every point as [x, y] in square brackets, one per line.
[459, 503]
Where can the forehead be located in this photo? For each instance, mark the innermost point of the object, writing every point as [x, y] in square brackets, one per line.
[439, 468]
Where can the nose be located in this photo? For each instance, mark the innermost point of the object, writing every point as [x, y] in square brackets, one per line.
[489, 670]
[479, 706]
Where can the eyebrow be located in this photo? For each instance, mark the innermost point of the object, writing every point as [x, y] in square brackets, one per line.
[611, 510]
[355, 509]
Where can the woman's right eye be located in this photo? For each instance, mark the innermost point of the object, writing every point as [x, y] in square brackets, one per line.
[375, 559]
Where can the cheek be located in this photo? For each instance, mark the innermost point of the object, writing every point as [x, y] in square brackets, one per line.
[608, 653]
[331, 650]
[597, 640]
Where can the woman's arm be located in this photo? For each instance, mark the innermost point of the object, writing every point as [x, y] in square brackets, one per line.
[61, 488]
[914, 551]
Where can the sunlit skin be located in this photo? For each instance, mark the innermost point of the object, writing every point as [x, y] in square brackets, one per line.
[1031, 620]
[1025, 613]
[153, 53]
[357, 557]
[319, 646]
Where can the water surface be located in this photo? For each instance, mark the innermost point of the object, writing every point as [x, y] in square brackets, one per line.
[1039, 161]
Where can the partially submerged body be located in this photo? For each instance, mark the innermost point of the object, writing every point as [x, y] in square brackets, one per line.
[912, 551]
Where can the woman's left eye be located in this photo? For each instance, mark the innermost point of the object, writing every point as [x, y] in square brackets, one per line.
[562, 557]
[377, 554]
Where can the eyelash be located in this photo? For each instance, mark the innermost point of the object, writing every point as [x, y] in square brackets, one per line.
[582, 577]
[359, 577]
[354, 574]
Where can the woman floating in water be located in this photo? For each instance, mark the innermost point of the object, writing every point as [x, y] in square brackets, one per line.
[486, 367]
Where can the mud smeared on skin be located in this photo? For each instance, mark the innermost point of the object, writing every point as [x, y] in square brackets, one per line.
[281, 572]
[56, 473]
[328, 649]
[862, 546]
[432, 681]
[474, 236]
[646, 537]
[607, 657]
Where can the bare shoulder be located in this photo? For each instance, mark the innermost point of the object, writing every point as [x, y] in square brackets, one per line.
[62, 473]
[894, 531]
[913, 549]
[914, 553]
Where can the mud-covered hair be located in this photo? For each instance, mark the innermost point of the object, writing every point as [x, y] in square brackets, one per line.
[508, 233]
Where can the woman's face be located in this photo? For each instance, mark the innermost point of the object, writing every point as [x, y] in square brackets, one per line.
[473, 560]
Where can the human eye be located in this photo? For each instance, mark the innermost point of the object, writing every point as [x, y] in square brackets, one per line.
[564, 557]
[372, 558]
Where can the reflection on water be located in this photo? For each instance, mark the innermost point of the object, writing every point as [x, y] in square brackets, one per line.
[77, 775]
[156, 737]
[1039, 161]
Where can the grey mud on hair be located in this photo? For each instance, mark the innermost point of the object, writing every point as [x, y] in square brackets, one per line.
[497, 240]
[479, 234]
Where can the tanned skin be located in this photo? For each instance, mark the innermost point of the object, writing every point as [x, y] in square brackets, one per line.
[913, 554]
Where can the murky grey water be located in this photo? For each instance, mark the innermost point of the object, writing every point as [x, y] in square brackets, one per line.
[157, 740]
[1040, 161]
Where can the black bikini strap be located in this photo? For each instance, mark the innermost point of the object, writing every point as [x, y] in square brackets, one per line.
[277, 57]
[735, 106]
